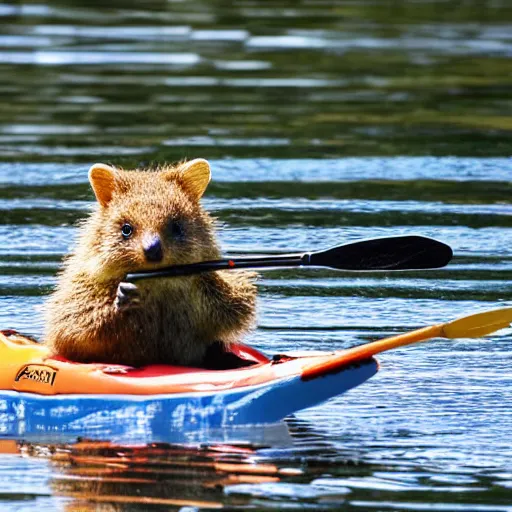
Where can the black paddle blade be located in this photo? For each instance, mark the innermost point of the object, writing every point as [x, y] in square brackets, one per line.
[391, 253]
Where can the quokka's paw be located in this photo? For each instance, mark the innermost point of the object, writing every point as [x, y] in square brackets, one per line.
[127, 297]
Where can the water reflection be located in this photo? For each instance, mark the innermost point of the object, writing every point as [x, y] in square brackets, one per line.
[310, 470]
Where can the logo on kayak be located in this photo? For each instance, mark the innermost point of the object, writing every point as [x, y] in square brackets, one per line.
[37, 373]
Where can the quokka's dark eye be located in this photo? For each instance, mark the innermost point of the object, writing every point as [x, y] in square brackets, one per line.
[127, 230]
[176, 229]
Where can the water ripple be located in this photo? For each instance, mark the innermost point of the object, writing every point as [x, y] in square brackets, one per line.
[324, 124]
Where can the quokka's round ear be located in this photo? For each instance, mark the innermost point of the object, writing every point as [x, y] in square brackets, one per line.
[103, 182]
[196, 175]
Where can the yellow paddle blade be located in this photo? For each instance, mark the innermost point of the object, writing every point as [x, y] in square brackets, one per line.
[479, 324]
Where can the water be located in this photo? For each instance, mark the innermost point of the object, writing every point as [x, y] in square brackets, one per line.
[324, 122]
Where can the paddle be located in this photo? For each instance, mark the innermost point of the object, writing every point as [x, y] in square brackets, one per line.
[472, 326]
[409, 252]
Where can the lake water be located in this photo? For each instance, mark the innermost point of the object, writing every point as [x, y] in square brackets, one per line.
[325, 122]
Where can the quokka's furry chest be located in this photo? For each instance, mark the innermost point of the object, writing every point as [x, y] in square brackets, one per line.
[172, 309]
[174, 322]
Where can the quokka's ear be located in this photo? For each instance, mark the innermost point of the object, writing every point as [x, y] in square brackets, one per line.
[103, 182]
[195, 176]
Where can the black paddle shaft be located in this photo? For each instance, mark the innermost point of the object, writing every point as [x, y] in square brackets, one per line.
[411, 252]
[286, 260]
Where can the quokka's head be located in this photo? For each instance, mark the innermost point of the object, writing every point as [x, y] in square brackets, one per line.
[150, 219]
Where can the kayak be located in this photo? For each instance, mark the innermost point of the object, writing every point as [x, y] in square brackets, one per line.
[50, 393]
[43, 394]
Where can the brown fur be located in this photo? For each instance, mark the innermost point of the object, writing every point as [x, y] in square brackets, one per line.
[177, 318]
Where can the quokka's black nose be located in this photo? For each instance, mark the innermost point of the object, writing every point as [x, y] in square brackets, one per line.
[153, 250]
